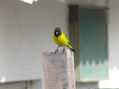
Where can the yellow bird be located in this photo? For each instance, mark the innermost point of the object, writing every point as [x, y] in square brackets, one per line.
[61, 39]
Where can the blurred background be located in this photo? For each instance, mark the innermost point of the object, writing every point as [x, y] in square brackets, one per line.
[26, 29]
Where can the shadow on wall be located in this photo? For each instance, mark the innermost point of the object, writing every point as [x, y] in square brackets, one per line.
[87, 85]
[91, 42]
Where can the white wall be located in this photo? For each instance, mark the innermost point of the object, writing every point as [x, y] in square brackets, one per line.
[25, 32]
[113, 36]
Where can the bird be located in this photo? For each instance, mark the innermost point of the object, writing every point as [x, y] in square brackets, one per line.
[60, 38]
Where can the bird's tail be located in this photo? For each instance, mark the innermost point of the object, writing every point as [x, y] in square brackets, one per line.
[70, 47]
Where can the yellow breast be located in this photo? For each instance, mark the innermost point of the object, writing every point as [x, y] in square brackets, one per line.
[58, 40]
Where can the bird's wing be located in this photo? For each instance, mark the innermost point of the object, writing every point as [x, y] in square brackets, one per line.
[65, 36]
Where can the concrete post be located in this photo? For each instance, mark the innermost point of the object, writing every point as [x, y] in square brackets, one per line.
[59, 70]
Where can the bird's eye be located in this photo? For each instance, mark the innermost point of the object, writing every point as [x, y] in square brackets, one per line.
[57, 33]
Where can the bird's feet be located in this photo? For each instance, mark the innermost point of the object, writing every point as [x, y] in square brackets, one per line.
[56, 50]
[63, 51]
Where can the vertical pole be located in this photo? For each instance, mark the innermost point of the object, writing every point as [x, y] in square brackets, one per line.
[59, 70]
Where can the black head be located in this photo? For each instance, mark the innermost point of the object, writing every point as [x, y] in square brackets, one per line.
[57, 31]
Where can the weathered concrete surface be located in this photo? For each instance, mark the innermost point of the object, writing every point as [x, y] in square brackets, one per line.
[59, 70]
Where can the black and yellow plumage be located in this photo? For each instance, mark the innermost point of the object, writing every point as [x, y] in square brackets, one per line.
[61, 39]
